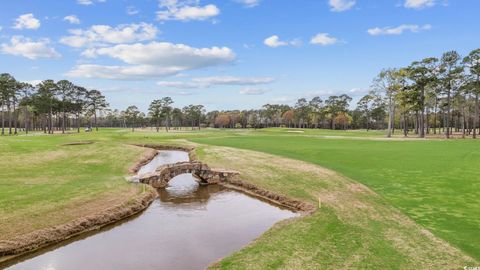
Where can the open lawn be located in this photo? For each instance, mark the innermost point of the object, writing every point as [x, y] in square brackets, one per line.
[435, 183]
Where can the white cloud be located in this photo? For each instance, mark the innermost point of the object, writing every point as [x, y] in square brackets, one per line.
[167, 54]
[341, 5]
[1, 28]
[105, 34]
[229, 80]
[253, 91]
[155, 59]
[73, 19]
[131, 10]
[274, 42]
[206, 82]
[323, 39]
[179, 85]
[249, 3]
[26, 21]
[399, 29]
[185, 10]
[120, 72]
[419, 4]
[89, 2]
[26, 47]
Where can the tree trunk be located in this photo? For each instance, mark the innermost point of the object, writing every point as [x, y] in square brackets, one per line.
[78, 122]
[421, 123]
[447, 132]
[25, 112]
[475, 117]
[50, 123]
[3, 120]
[95, 119]
[390, 116]
[63, 121]
[435, 117]
[15, 119]
[9, 119]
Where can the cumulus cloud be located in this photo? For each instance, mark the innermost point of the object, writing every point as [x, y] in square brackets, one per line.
[206, 82]
[26, 47]
[26, 21]
[253, 91]
[341, 5]
[89, 2]
[323, 39]
[399, 29]
[185, 10]
[249, 3]
[155, 59]
[73, 19]
[139, 72]
[274, 42]
[419, 4]
[105, 34]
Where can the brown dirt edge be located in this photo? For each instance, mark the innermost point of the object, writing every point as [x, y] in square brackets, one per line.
[78, 143]
[189, 150]
[143, 161]
[295, 205]
[41, 238]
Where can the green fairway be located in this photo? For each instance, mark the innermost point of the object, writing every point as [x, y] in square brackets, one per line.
[435, 182]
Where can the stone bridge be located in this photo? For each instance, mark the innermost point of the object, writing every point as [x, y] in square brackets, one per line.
[201, 171]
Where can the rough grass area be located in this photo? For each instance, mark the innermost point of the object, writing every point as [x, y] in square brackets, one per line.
[435, 182]
[43, 183]
[354, 229]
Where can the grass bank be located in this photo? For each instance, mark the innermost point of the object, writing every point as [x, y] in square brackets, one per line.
[435, 182]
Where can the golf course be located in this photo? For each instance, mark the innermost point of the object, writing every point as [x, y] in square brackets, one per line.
[395, 203]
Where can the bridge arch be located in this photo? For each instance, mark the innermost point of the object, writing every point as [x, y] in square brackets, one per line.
[205, 175]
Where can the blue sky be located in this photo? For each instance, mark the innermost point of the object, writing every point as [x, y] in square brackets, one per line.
[227, 54]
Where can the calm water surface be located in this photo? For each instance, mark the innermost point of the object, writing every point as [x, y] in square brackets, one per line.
[187, 227]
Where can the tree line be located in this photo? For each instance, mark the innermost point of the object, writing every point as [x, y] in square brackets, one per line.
[430, 96]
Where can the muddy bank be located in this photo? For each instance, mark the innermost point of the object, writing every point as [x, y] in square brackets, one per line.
[144, 160]
[289, 203]
[158, 147]
[41, 238]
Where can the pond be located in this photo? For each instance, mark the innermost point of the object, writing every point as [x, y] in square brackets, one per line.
[188, 227]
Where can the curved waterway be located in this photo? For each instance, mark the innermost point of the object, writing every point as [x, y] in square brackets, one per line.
[187, 227]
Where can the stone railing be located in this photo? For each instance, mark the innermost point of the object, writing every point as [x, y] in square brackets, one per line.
[205, 175]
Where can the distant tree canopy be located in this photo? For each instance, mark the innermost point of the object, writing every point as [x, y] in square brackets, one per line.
[433, 95]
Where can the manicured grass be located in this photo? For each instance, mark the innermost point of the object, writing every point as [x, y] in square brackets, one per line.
[353, 229]
[43, 183]
[435, 182]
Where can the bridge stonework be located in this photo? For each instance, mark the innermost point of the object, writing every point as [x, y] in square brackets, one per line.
[205, 175]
